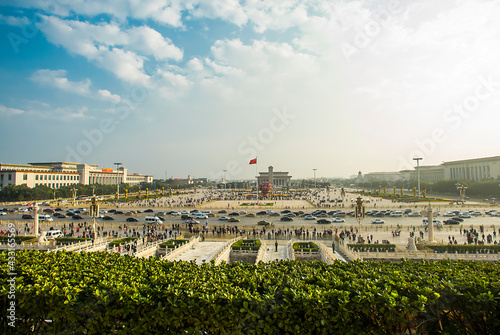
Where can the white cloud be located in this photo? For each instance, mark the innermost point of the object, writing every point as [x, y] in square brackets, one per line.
[7, 111]
[57, 78]
[14, 20]
[121, 52]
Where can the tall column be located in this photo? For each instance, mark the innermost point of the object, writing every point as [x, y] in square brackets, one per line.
[430, 224]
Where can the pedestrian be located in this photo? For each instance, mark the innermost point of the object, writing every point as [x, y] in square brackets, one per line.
[276, 245]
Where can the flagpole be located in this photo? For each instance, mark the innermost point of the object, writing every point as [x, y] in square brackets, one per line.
[257, 176]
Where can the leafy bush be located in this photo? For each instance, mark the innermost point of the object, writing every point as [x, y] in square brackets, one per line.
[70, 240]
[122, 241]
[305, 247]
[170, 244]
[104, 293]
[18, 238]
[373, 247]
[246, 245]
[462, 249]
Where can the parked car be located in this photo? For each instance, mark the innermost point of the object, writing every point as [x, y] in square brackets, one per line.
[396, 214]
[200, 216]
[451, 221]
[148, 211]
[27, 217]
[286, 218]
[378, 221]
[464, 215]
[224, 218]
[309, 217]
[234, 214]
[275, 214]
[323, 221]
[77, 217]
[191, 221]
[132, 220]
[337, 220]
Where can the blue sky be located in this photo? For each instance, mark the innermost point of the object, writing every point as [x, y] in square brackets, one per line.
[198, 87]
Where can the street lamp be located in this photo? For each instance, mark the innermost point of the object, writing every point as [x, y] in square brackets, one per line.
[118, 181]
[462, 189]
[224, 182]
[314, 178]
[418, 174]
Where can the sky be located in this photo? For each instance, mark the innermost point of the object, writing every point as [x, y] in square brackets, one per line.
[189, 87]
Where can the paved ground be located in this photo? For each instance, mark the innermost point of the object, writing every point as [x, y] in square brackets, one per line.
[271, 254]
[202, 251]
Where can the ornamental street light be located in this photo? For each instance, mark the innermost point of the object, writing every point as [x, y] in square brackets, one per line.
[418, 174]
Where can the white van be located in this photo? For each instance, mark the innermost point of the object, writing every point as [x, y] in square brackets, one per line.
[51, 234]
[153, 219]
[45, 217]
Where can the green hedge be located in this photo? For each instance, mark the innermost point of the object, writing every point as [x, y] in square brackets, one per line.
[70, 240]
[365, 247]
[173, 243]
[246, 245]
[122, 241]
[18, 238]
[104, 293]
[305, 247]
[462, 249]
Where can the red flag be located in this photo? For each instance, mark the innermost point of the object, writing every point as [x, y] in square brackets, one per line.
[253, 161]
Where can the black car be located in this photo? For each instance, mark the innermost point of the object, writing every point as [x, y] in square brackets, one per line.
[286, 211]
[132, 220]
[58, 209]
[286, 218]
[457, 219]
[118, 212]
[451, 221]
[27, 217]
[77, 217]
[109, 218]
[323, 221]
[262, 213]
[234, 214]
[186, 217]
[112, 211]
[148, 211]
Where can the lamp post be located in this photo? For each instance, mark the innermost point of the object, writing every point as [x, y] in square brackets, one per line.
[314, 179]
[118, 181]
[224, 182]
[418, 174]
[462, 189]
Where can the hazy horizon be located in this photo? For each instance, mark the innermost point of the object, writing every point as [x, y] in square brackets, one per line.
[189, 87]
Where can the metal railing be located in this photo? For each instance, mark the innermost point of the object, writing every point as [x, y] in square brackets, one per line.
[223, 251]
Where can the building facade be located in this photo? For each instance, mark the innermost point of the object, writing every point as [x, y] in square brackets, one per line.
[477, 169]
[277, 178]
[59, 174]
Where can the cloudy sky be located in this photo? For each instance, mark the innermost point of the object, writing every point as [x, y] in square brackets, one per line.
[197, 87]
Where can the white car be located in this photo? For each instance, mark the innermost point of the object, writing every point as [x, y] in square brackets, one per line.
[436, 222]
[201, 216]
[378, 221]
[184, 212]
[415, 214]
[335, 220]
[464, 215]
[396, 214]
[3, 213]
[242, 212]
[223, 218]
[309, 217]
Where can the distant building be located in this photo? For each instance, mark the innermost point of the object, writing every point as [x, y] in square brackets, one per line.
[476, 169]
[277, 178]
[59, 174]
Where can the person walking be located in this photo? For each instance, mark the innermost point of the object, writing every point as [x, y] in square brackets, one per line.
[276, 246]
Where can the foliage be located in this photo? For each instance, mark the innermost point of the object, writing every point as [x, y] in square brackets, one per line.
[70, 240]
[173, 243]
[467, 248]
[104, 293]
[372, 247]
[18, 238]
[246, 245]
[305, 247]
[122, 241]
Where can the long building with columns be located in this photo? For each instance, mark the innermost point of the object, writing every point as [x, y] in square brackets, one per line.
[59, 174]
[277, 178]
[477, 169]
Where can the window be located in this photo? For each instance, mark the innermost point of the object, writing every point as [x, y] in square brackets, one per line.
[36, 177]
[45, 177]
[10, 176]
[25, 176]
